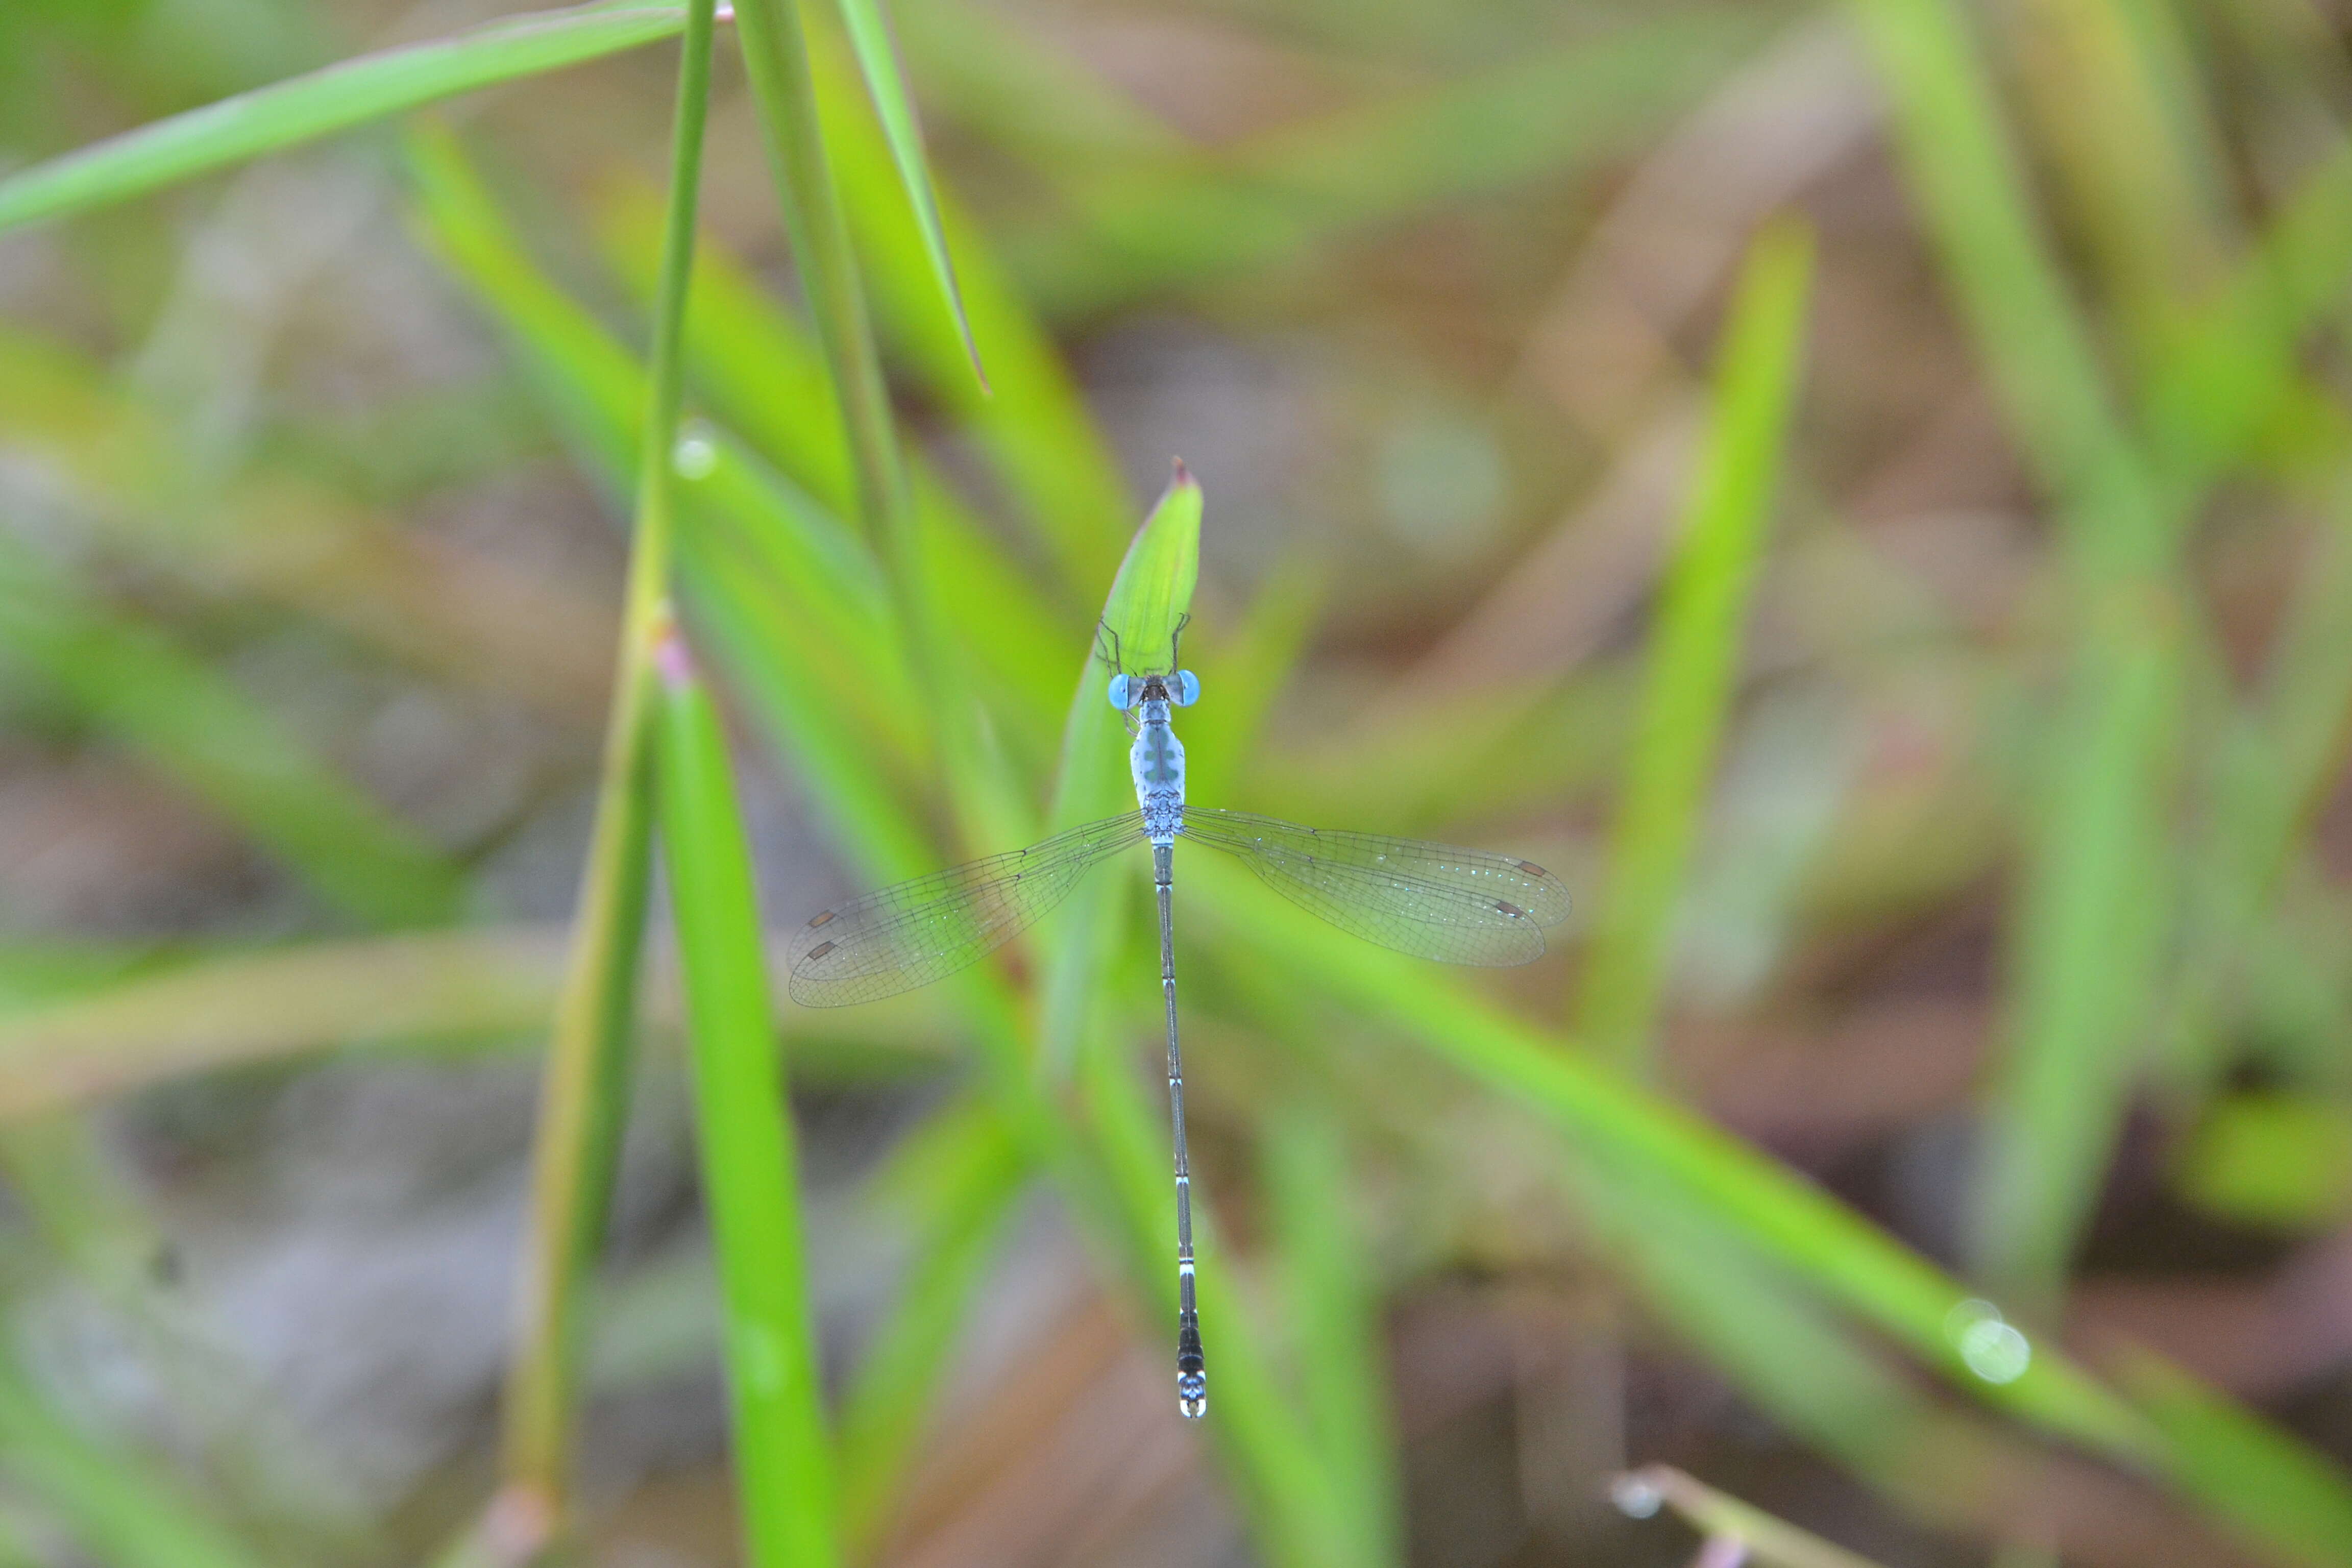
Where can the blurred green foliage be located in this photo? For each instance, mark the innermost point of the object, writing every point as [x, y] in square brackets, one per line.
[2101, 733]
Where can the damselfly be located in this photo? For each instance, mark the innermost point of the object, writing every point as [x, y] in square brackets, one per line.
[1431, 900]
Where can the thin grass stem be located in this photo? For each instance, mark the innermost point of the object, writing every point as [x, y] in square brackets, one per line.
[585, 1093]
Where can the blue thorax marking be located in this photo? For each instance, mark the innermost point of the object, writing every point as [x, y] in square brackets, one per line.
[1156, 759]
[1156, 762]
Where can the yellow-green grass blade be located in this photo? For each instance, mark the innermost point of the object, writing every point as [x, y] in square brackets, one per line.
[956, 1178]
[351, 93]
[783, 1452]
[1054, 463]
[163, 702]
[1573, 107]
[1331, 1292]
[2090, 918]
[585, 1083]
[1769, 1540]
[1695, 649]
[2229, 372]
[430, 992]
[2141, 176]
[894, 107]
[1789, 1223]
[223, 1011]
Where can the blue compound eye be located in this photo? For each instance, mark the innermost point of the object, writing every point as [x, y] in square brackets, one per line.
[1118, 693]
[1184, 689]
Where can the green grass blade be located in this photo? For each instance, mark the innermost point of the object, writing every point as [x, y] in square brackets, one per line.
[1151, 597]
[1789, 1223]
[1694, 649]
[164, 703]
[584, 1094]
[1040, 437]
[894, 105]
[351, 93]
[2243, 1466]
[776, 63]
[783, 1461]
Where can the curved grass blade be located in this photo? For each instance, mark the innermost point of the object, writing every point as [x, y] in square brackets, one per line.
[338, 98]
[928, 929]
[885, 84]
[1431, 900]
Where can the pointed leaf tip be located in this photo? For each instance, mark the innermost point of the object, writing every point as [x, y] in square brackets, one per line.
[1153, 592]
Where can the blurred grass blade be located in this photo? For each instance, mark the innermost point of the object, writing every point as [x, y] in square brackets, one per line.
[1570, 109]
[2088, 934]
[894, 105]
[1333, 1295]
[161, 701]
[959, 1176]
[2243, 1466]
[249, 1007]
[338, 98]
[126, 1514]
[1695, 647]
[782, 1460]
[1784, 1219]
[585, 1095]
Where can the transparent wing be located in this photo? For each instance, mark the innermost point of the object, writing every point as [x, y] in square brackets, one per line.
[926, 930]
[1432, 901]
